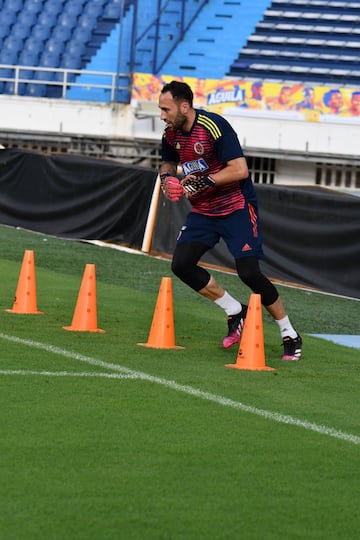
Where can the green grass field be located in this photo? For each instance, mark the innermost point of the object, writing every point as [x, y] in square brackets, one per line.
[102, 439]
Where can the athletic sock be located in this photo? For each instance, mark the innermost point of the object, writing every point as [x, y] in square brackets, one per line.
[230, 305]
[286, 328]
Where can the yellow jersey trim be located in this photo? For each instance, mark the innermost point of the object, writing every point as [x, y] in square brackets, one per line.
[210, 125]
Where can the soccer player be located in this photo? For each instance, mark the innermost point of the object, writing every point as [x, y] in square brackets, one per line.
[217, 183]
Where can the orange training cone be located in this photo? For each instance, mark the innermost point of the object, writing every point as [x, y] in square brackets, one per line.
[162, 333]
[251, 353]
[25, 298]
[85, 315]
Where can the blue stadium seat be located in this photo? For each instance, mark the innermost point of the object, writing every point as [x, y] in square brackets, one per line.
[53, 46]
[41, 32]
[15, 5]
[99, 3]
[8, 56]
[74, 48]
[44, 75]
[4, 30]
[26, 18]
[13, 45]
[112, 11]
[48, 59]
[93, 9]
[62, 33]
[7, 17]
[87, 21]
[73, 8]
[64, 27]
[80, 3]
[36, 90]
[26, 73]
[81, 34]
[53, 8]
[67, 19]
[70, 62]
[21, 89]
[20, 31]
[32, 47]
[59, 76]
[115, 4]
[28, 56]
[9, 88]
[6, 73]
[47, 19]
[33, 6]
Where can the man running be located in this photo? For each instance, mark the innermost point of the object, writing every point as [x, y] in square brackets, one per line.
[218, 185]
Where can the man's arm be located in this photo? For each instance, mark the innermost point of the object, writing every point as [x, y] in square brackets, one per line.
[169, 167]
[235, 170]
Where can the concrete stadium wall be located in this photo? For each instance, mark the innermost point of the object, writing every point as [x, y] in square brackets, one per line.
[287, 139]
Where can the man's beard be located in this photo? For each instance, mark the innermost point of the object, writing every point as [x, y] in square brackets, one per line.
[179, 121]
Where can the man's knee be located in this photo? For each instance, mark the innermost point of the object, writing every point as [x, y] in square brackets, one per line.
[177, 266]
[248, 268]
[249, 272]
[184, 266]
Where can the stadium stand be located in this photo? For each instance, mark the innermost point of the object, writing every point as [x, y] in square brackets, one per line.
[79, 34]
[52, 34]
[304, 41]
[308, 41]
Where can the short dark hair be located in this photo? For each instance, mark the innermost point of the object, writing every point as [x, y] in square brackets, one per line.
[180, 91]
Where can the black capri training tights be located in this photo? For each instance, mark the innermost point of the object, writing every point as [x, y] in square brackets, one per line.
[184, 266]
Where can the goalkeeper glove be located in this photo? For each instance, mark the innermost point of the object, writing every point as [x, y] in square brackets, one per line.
[196, 184]
[171, 187]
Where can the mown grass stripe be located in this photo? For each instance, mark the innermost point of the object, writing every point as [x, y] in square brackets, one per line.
[195, 392]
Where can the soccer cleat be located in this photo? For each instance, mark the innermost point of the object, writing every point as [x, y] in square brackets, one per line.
[235, 325]
[292, 348]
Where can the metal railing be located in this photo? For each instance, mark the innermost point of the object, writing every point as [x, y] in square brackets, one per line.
[164, 45]
[59, 83]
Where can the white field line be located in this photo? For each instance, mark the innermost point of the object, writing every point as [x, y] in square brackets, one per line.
[195, 392]
[68, 374]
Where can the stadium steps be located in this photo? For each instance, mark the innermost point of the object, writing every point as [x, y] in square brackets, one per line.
[304, 41]
[213, 39]
[158, 33]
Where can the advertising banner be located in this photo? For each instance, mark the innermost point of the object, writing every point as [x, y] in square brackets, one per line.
[306, 102]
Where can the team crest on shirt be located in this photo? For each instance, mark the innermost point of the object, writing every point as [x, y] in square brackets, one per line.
[198, 148]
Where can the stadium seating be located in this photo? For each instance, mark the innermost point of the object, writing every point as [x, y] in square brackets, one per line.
[315, 41]
[304, 40]
[8, 16]
[67, 33]
[32, 6]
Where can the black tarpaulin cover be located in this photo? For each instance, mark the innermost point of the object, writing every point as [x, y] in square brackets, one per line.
[75, 197]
